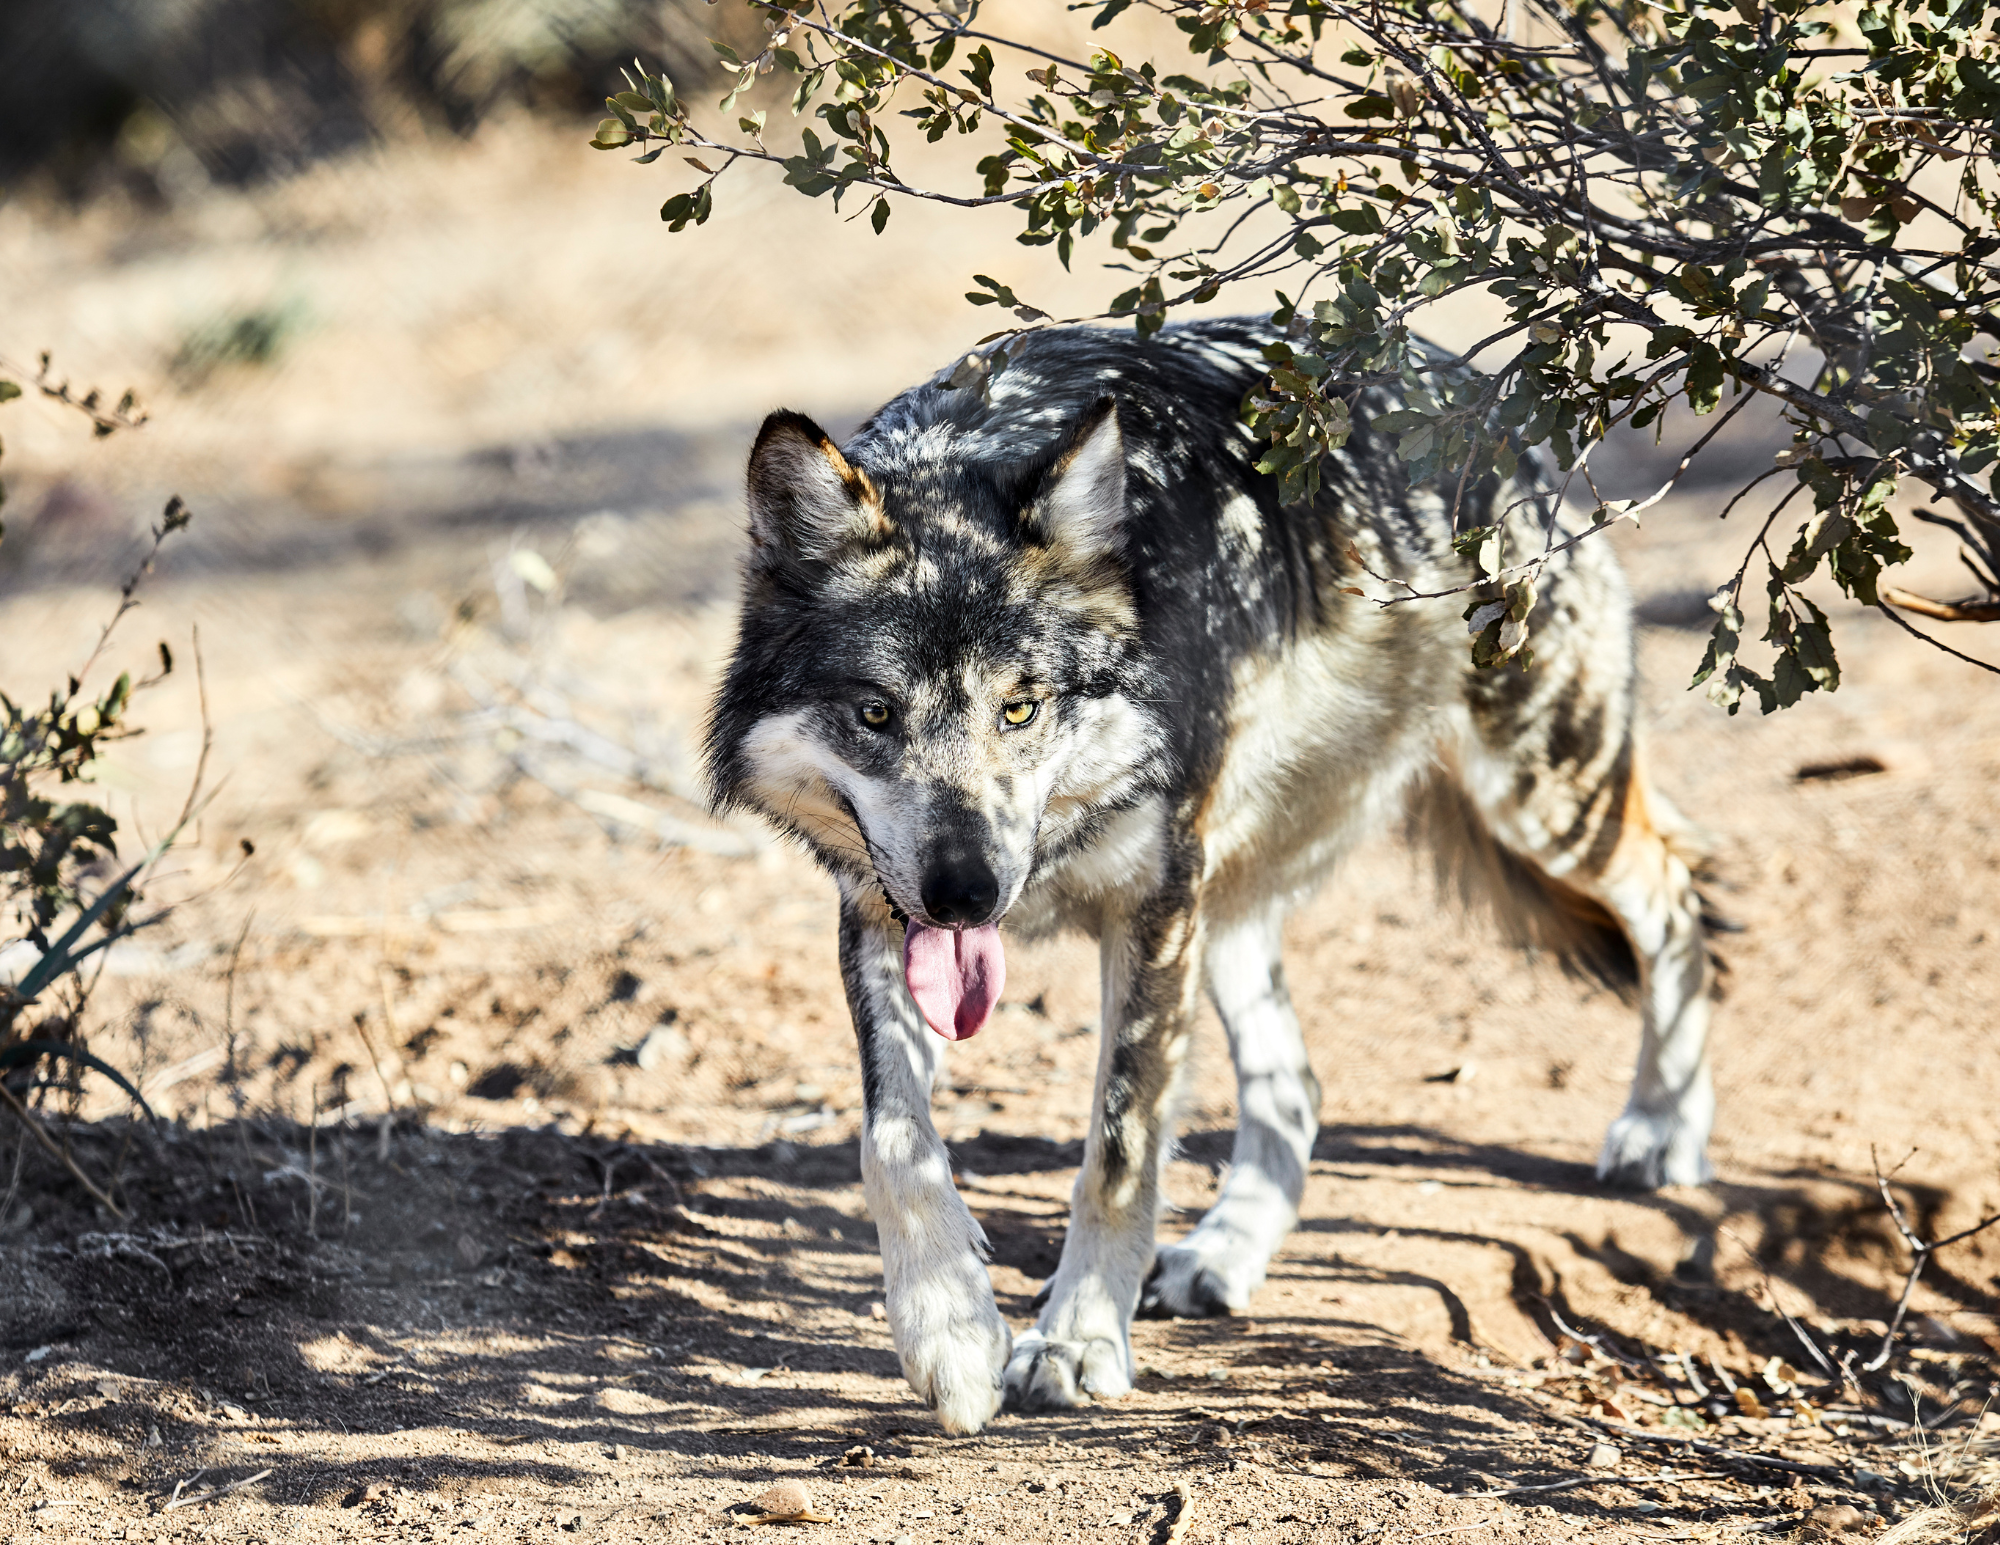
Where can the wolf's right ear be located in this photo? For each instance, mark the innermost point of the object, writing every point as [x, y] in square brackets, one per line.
[805, 499]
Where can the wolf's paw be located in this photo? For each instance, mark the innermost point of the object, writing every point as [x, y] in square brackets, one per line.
[1046, 1375]
[1643, 1151]
[951, 1339]
[1187, 1283]
[957, 1367]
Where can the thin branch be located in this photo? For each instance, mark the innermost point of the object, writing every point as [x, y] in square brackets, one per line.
[56, 1151]
[1941, 611]
[1902, 622]
[126, 415]
[1921, 1251]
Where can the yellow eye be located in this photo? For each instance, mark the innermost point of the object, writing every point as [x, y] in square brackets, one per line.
[875, 715]
[1018, 714]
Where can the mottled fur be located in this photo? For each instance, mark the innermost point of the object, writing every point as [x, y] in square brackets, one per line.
[1215, 720]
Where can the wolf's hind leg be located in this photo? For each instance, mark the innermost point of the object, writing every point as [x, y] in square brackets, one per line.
[1221, 1263]
[1580, 857]
[1662, 1136]
[949, 1334]
[1608, 890]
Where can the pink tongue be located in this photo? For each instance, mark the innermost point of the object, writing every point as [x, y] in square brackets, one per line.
[955, 976]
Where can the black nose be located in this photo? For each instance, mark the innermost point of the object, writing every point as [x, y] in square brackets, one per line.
[960, 892]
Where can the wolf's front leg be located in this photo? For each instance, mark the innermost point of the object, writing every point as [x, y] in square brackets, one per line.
[1082, 1343]
[1218, 1266]
[949, 1334]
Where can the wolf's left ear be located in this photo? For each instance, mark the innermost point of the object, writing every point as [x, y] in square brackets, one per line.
[805, 499]
[1081, 503]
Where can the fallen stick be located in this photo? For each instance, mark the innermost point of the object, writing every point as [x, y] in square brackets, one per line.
[1738, 1456]
[1184, 1517]
[212, 1493]
[1592, 1480]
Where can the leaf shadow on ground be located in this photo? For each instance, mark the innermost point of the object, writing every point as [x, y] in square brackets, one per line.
[543, 1289]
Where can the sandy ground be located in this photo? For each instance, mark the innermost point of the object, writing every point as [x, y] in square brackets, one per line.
[506, 1183]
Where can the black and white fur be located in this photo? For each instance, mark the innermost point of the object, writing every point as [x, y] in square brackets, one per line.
[1215, 721]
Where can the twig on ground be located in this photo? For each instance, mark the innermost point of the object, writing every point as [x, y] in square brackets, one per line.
[1184, 1516]
[1798, 1330]
[212, 1493]
[56, 1151]
[1738, 1456]
[1920, 1255]
[105, 1246]
[1595, 1343]
[1592, 1480]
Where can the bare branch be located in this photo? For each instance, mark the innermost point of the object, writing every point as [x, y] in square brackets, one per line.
[1921, 1250]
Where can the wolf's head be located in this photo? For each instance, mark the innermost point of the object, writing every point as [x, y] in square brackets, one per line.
[936, 673]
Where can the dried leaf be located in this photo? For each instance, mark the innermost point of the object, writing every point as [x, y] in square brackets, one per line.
[788, 1502]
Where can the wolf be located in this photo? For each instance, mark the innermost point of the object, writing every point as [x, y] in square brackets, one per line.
[1054, 654]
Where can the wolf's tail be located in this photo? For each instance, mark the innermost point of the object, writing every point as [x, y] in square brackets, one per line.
[1532, 908]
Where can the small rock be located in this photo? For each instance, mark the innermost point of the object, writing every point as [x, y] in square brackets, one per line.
[470, 1252]
[875, 1312]
[1830, 1519]
[663, 1046]
[617, 1451]
[860, 1456]
[110, 1389]
[1603, 1457]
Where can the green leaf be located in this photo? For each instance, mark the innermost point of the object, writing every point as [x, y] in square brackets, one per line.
[8, 391]
[880, 217]
[980, 72]
[1813, 645]
[1704, 377]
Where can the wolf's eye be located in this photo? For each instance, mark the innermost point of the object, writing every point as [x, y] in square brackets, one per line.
[1018, 714]
[875, 715]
